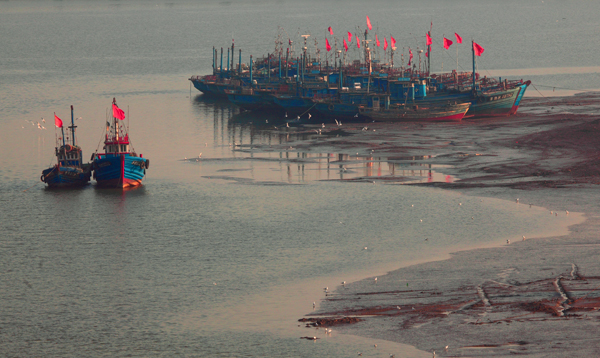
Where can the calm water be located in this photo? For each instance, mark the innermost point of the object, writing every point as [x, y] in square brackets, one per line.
[219, 256]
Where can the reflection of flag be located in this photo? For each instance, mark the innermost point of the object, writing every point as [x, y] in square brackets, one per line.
[357, 42]
[349, 36]
[429, 42]
[345, 45]
[118, 112]
[369, 23]
[458, 38]
[327, 45]
[330, 30]
[478, 49]
[447, 43]
[393, 41]
[57, 121]
[377, 40]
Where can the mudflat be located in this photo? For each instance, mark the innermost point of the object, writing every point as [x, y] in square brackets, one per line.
[531, 296]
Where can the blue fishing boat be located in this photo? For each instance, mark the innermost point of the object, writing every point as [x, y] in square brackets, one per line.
[69, 170]
[119, 166]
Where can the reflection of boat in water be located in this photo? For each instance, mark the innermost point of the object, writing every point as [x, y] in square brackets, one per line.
[69, 170]
[118, 166]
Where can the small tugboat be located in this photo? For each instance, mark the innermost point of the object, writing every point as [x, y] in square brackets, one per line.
[69, 171]
[119, 166]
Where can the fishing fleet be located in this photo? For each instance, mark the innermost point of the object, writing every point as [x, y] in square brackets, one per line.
[299, 83]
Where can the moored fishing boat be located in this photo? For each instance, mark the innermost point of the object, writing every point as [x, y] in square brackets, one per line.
[69, 170]
[119, 166]
[421, 111]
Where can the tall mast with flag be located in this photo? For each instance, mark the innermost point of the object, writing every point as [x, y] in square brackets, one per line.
[477, 51]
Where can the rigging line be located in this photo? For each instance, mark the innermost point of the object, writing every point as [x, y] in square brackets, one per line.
[308, 110]
[538, 90]
[573, 89]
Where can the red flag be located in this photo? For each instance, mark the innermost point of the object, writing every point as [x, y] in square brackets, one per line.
[478, 49]
[345, 45]
[429, 42]
[357, 42]
[447, 43]
[393, 40]
[57, 121]
[330, 30]
[377, 40]
[327, 45]
[427, 53]
[458, 38]
[118, 112]
[411, 56]
[290, 41]
[384, 44]
[349, 36]
[369, 23]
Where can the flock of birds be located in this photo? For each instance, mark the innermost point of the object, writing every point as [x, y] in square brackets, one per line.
[39, 125]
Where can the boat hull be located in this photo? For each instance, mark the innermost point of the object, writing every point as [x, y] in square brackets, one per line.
[66, 177]
[293, 105]
[421, 112]
[252, 102]
[338, 110]
[497, 104]
[119, 171]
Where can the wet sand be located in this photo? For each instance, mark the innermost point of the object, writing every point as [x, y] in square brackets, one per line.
[532, 296]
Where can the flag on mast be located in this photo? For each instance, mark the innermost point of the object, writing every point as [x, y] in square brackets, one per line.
[377, 40]
[429, 42]
[458, 38]
[327, 45]
[477, 49]
[369, 23]
[447, 43]
[349, 36]
[330, 30]
[118, 112]
[385, 45]
[411, 56]
[57, 121]
[357, 42]
[345, 45]
[393, 40]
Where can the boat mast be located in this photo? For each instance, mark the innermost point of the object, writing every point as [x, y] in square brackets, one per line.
[72, 127]
[116, 124]
[473, 52]
[429, 57]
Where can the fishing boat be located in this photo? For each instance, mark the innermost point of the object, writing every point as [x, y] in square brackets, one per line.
[69, 170]
[420, 111]
[119, 166]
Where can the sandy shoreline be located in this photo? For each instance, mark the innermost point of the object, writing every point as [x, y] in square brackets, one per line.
[537, 297]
